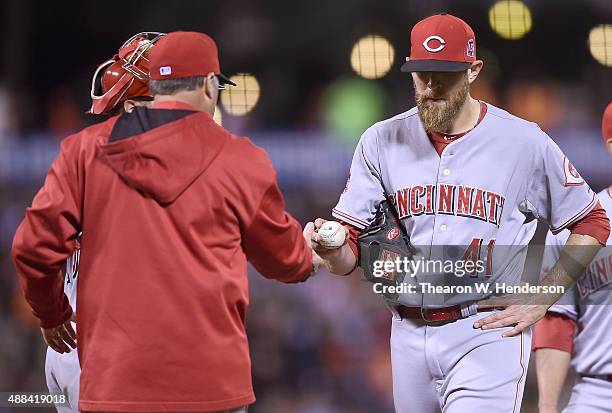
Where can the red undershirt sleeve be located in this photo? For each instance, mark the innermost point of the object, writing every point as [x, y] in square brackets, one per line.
[554, 331]
[354, 233]
[595, 224]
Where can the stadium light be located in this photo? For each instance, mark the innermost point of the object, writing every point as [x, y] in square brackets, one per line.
[600, 43]
[241, 99]
[372, 56]
[510, 19]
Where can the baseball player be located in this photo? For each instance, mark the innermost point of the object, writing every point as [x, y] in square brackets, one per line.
[575, 330]
[118, 85]
[463, 174]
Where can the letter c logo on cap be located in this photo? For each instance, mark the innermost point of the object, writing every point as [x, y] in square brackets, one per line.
[432, 49]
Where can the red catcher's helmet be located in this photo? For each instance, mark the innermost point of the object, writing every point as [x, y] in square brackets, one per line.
[125, 76]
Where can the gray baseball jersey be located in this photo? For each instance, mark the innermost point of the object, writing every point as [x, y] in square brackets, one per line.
[485, 192]
[588, 302]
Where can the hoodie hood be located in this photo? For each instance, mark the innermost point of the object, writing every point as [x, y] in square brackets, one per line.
[161, 162]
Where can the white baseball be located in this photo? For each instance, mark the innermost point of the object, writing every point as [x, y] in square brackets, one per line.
[332, 234]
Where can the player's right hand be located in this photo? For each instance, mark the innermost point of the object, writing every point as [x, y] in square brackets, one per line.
[61, 337]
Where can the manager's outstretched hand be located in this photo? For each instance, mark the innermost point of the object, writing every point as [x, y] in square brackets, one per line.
[309, 230]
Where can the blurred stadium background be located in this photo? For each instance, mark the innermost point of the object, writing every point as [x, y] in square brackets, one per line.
[311, 77]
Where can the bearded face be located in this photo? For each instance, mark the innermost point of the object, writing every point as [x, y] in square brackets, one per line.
[438, 109]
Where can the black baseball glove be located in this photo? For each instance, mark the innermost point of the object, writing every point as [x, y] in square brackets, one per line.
[384, 240]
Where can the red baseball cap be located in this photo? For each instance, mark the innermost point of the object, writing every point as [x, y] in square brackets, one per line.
[606, 123]
[441, 43]
[185, 54]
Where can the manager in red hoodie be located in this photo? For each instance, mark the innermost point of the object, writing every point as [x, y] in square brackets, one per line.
[173, 206]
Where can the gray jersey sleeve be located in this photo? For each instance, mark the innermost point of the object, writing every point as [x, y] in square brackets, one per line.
[364, 188]
[568, 304]
[557, 193]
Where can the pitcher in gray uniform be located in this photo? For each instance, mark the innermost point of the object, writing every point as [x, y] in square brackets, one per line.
[587, 308]
[460, 173]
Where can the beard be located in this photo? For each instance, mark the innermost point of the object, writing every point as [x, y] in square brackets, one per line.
[439, 117]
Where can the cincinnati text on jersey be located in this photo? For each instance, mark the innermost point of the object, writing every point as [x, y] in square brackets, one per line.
[450, 199]
[597, 275]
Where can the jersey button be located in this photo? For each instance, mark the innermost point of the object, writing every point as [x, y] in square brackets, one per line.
[446, 172]
[443, 227]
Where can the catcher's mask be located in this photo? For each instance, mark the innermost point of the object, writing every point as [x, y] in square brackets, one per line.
[125, 76]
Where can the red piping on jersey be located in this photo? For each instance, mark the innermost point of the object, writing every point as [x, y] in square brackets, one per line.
[594, 224]
[568, 222]
[350, 217]
[518, 384]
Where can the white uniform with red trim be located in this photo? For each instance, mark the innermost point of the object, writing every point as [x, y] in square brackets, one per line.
[588, 304]
[486, 190]
[63, 371]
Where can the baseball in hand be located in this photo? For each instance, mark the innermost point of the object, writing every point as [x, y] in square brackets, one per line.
[332, 234]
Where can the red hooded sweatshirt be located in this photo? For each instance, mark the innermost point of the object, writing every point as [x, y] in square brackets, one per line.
[171, 206]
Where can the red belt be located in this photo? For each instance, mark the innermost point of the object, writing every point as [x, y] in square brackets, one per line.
[606, 377]
[433, 314]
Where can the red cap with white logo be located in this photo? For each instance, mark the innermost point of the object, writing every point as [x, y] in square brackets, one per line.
[185, 54]
[441, 43]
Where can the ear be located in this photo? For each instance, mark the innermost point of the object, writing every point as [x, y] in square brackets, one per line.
[474, 70]
[128, 106]
[211, 86]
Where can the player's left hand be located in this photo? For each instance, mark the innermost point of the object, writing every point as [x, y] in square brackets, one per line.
[519, 316]
[60, 337]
